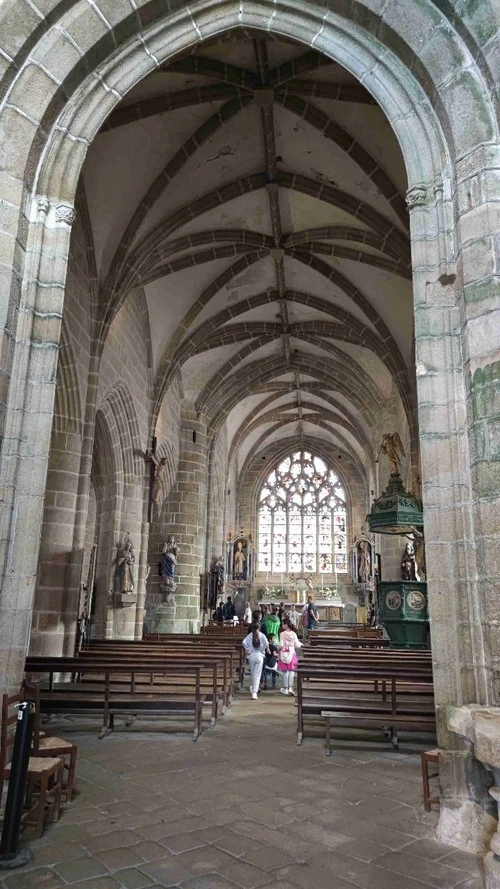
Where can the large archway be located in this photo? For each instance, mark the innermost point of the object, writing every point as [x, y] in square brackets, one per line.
[57, 100]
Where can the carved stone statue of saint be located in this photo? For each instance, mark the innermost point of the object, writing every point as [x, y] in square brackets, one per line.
[219, 573]
[126, 561]
[392, 447]
[364, 562]
[159, 482]
[168, 565]
[409, 564]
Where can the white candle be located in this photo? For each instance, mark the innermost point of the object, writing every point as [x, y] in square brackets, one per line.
[322, 578]
[281, 581]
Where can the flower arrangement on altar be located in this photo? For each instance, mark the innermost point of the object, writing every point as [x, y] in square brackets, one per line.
[329, 593]
[273, 592]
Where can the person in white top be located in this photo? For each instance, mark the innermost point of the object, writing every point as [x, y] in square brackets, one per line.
[288, 660]
[255, 645]
[294, 616]
[247, 617]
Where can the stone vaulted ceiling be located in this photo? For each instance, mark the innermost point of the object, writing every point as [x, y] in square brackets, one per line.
[255, 191]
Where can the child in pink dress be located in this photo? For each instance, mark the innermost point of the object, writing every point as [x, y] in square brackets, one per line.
[287, 659]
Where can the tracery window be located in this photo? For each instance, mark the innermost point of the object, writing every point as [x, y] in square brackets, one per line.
[302, 518]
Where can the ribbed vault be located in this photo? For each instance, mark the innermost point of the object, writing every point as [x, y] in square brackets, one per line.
[264, 215]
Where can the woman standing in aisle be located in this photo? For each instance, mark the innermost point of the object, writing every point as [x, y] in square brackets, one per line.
[287, 659]
[255, 645]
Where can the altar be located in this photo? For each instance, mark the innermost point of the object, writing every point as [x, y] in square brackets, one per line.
[329, 609]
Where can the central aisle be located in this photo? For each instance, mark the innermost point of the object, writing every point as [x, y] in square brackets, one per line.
[243, 807]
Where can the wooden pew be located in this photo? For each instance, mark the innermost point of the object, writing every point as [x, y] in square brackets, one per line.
[360, 688]
[181, 645]
[108, 695]
[414, 719]
[231, 641]
[219, 662]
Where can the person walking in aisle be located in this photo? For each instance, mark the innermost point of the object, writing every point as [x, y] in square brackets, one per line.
[255, 645]
[288, 660]
[247, 617]
[271, 623]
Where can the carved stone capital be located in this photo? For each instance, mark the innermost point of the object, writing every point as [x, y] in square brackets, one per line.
[65, 214]
[416, 196]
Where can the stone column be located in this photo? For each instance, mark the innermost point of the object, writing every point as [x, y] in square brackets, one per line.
[187, 519]
[58, 580]
[452, 530]
[31, 339]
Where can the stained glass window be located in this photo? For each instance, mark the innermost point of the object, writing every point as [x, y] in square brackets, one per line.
[302, 518]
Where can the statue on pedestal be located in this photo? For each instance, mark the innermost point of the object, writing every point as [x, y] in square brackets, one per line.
[392, 447]
[126, 561]
[167, 570]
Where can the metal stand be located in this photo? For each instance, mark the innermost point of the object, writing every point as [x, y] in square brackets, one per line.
[10, 854]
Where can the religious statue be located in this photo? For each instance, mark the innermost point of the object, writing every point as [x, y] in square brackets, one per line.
[364, 562]
[392, 447]
[126, 561]
[240, 559]
[219, 575]
[168, 563]
[408, 563]
[309, 585]
[159, 481]
[419, 547]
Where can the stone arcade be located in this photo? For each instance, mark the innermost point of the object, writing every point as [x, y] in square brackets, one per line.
[245, 229]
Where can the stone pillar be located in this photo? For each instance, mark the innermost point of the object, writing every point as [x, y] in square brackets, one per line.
[450, 492]
[58, 582]
[31, 339]
[187, 520]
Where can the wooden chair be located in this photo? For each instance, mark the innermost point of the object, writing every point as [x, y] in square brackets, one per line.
[426, 757]
[48, 746]
[45, 775]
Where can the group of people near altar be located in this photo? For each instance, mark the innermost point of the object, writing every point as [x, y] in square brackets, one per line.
[272, 645]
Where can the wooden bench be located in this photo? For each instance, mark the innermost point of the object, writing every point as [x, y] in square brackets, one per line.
[184, 644]
[384, 688]
[220, 664]
[109, 695]
[227, 656]
[386, 720]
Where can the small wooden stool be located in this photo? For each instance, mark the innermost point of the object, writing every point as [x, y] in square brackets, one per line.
[426, 757]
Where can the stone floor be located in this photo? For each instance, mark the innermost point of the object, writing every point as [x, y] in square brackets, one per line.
[243, 807]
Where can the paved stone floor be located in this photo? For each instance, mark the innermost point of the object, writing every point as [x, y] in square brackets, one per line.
[243, 807]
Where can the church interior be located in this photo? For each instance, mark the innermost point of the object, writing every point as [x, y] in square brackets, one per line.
[250, 260]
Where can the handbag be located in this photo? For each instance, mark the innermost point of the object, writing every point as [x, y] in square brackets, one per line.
[286, 654]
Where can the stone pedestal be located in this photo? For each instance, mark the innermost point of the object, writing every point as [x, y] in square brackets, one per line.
[480, 727]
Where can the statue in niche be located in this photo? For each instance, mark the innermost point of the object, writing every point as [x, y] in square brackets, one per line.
[126, 561]
[167, 570]
[392, 447]
[364, 562]
[409, 564]
[240, 560]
